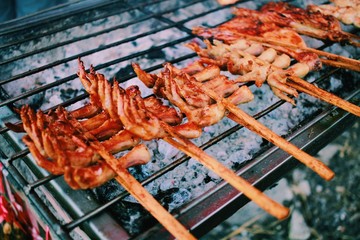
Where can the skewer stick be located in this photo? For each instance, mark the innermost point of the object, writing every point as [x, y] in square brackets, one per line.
[337, 64]
[239, 116]
[356, 44]
[352, 35]
[136, 189]
[263, 201]
[308, 88]
[332, 59]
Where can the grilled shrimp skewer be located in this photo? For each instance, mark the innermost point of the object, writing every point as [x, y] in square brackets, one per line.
[164, 79]
[266, 66]
[58, 147]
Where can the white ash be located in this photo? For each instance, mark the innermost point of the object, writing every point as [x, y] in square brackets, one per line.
[47, 76]
[69, 34]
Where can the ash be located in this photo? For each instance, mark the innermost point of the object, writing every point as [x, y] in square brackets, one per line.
[190, 179]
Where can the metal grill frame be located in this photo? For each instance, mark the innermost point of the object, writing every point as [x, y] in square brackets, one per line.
[201, 214]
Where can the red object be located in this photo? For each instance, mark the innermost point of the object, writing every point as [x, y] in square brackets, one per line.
[15, 213]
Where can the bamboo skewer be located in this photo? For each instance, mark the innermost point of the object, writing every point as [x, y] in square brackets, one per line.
[137, 190]
[332, 59]
[239, 116]
[308, 88]
[183, 144]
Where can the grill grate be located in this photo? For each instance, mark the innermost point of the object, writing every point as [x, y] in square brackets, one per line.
[55, 203]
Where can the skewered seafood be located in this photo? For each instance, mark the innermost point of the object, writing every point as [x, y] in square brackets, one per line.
[239, 59]
[269, 35]
[61, 149]
[199, 108]
[348, 12]
[314, 24]
[282, 78]
[107, 166]
[107, 95]
[258, 26]
[164, 80]
[235, 29]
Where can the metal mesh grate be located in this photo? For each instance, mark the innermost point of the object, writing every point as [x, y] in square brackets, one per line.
[34, 52]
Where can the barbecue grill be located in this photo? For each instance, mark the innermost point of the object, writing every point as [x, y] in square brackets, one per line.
[38, 66]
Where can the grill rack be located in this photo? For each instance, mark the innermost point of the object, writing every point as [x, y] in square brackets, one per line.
[214, 206]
